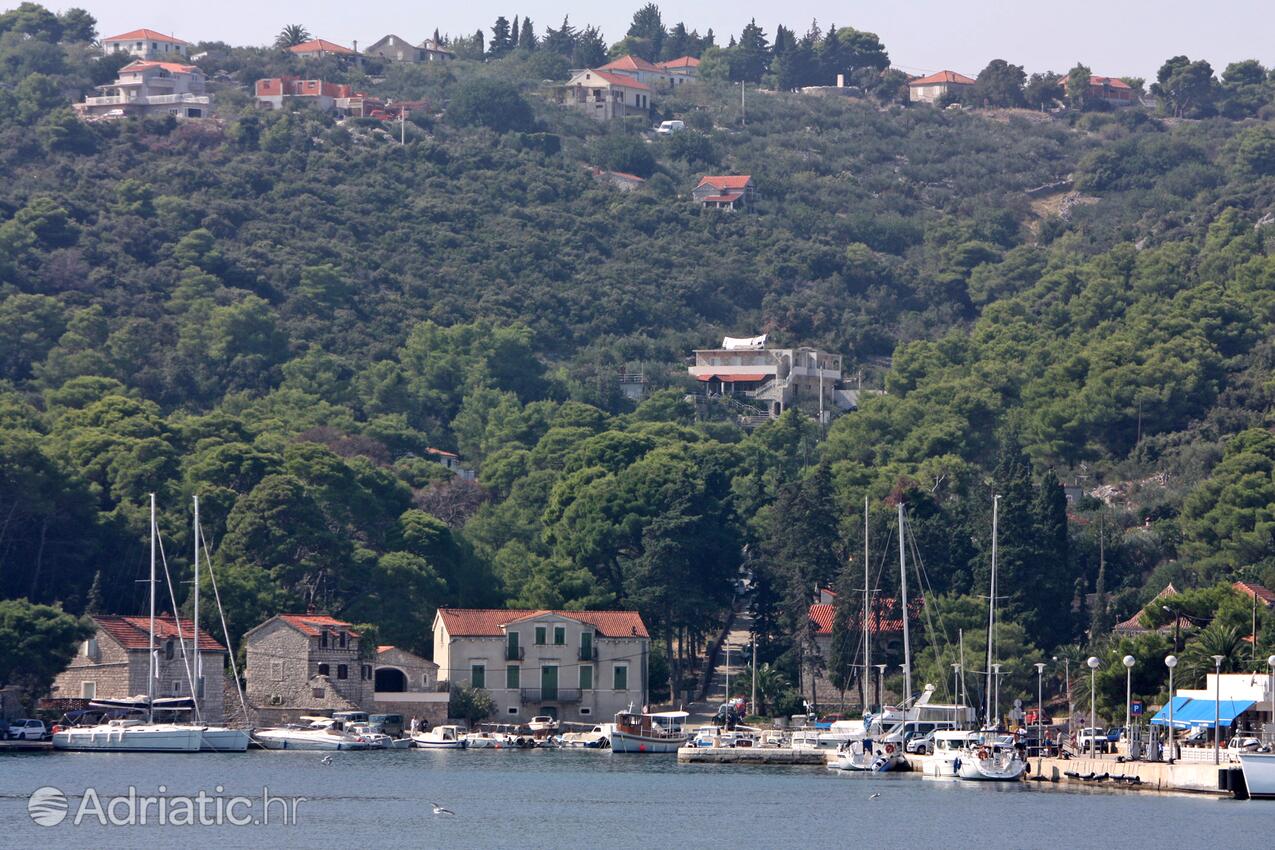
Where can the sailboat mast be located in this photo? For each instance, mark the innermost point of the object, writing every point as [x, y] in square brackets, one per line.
[198, 671]
[903, 593]
[867, 656]
[150, 678]
[991, 617]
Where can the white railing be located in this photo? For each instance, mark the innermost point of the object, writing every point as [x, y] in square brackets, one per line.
[152, 100]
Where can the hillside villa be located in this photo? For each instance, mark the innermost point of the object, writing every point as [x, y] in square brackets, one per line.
[395, 48]
[603, 95]
[936, 86]
[147, 44]
[725, 192]
[1112, 91]
[778, 378]
[146, 88]
[316, 48]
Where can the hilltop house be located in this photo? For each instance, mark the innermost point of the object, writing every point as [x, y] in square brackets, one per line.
[654, 76]
[683, 69]
[316, 48]
[603, 95]
[724, 191]
[395, 48]
[938, 85]
[148, 44]
[407, 684]
[452, 462]
[581, 666]
[114, 663]
[1109, 90]
[145, 88]
[777, 377]
[305, 664]
[276, 92]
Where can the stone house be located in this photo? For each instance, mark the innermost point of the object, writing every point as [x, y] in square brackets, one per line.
[407, 684]
[148, 44]
[305, 664]
[395, 48]
[114, 663]
[603, 95]
[146, 87]
[580, 666]
[885, 629]
[725, 191]
[938, 85]
[1112, 91]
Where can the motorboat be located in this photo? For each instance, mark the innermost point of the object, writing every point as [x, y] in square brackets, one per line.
[543, 724]
[440, 738]
[222, 739]
[130, 735]
[657, 732]
[319, 735]
[377, 740]
[597, 738]
[485, 741]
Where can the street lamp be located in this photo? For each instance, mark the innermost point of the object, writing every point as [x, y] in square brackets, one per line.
[956, 682]
[1129, 661]
[726, 646]
[880, 682]
[1040, 701]
[1171, 661]
[1217, 708]
[1071, 709]
[1093, 663]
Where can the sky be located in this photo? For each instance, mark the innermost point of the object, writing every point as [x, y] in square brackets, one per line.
[1114, 37]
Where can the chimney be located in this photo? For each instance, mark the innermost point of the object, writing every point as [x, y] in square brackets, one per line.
[841, 81]
[356, 46]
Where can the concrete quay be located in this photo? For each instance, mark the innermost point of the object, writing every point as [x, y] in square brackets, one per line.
[1184, 777]
[749, 755]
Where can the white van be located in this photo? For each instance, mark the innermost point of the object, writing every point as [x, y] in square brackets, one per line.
[668, 128]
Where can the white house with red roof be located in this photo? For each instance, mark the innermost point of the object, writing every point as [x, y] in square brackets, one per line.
[148, 44]
[652, 75]
[936, 86]
[683, 69]
[603, 95]
[726, 191]
[113, 664]
[1112, 91]
[316, 48]
[581, 666]
[147, 87]
[305, 664]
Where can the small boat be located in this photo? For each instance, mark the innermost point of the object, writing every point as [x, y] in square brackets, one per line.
[543, 724]
[658, 732]
[485, 741]
[375, 740]
[440, 738]
[320, 734]
[597, 738]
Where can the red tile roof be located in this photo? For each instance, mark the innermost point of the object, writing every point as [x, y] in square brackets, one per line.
[312, 624]
[319, 45]
[145, 35]
[940, 77]
[682, 62]
[441, 453]
[728, 181]
[487, 622]
[1133, 625]
[1112, 82]
[134, 632]
[630, 63]
[1249, 589]
[620, 80]
[882, 619]
[171, 67]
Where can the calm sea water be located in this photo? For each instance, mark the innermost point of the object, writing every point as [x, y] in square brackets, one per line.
[594, 801]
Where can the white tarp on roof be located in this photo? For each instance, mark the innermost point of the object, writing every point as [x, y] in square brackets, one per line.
[731, 343]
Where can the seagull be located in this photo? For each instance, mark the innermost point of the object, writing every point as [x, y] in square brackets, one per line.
[875, 797]
[439, 810]
[326, 760]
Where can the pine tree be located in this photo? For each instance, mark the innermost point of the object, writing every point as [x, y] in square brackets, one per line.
[501, 42]
[94, 603]
[649, 26]
[527, 37]
[561, 41]
[1054, 579]
[515, 33]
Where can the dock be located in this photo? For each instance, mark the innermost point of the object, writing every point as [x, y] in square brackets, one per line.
[1107, 773]
[750, 755]
[25, 746]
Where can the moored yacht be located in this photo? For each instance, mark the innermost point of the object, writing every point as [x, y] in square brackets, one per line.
[320, 734]
[658, 732]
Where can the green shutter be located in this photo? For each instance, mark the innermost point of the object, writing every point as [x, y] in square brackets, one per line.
[586, 678]
[478, 676]
[559, 635]
[621, 678]
[540, 635]
[586, 645]
[513, 674]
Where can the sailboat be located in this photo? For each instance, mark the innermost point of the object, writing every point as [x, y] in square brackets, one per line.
[129, 734]
[214, 739]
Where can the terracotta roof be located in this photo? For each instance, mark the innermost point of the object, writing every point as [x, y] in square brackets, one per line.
[441, 453]
[313, 624]
[943, 77]
[620, 80]
[630, 63]
[385, 647]
[171, 67]
[134, 632]
[882, 619]
[728, 181]
[487, 622]
[1249, 589]
[145, 35]
[681, 62]
[319, 45]
[1133, 625]
[1112, 82]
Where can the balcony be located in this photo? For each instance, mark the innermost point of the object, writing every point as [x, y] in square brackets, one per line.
[539, 695]
[587, 653]
[515, 653]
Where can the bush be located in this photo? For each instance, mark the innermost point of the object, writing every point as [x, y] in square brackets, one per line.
[491, 104]
[623, 152]
[470, 704]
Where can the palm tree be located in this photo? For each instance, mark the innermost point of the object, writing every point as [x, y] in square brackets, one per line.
[770, 684]
[1216, 639]
[291, 36]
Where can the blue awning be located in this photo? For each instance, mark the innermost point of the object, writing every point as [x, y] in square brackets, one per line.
[1191, 713]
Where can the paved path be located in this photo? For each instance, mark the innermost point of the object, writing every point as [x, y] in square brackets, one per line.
[733, 660]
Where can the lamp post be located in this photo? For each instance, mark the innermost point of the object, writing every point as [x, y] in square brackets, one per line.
[1040, 701]
[726, 646]
[880, 683]
[1071, 709]
[1093, 663]
[1128, 661]
[1217, 708]
[956, 682]
[1171, 661]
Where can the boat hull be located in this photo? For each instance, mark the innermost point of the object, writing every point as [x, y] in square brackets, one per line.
[1259, 774]
[222, 740]
[425, 744]
[275, 741]
[129, 739]
[977, 770]
[624, 742]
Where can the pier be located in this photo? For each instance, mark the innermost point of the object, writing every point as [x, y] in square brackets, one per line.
[750, 755]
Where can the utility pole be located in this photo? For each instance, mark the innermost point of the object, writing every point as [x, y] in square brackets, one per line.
[743, 104]
[754, 702]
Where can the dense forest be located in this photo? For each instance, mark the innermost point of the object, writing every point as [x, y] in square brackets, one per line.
[282, 313]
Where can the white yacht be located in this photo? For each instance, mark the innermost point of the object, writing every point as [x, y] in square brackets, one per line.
[597, 738]
[321, 733]
[1259, 773]
[440, 738]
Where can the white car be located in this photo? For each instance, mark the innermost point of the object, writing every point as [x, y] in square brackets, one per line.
[27, 730]
[1095, 737]
[668, 128]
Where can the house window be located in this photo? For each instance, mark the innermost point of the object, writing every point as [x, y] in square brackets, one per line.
[89, 650]
[318, 693]
[513, 677]
[342, 671]
[559, 635]
[540, 635]
[177, 688]
[586, 677]
[513, 709]
[199, 687]
[620, 681]
[324, 669]
[343, 638]
[511, 644]
[425, 680]
[276, 670]
[478, 675]
[586, 646]
[168, 651]
[88, 690]
[323, 639]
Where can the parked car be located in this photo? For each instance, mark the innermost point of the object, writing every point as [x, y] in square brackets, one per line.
[1092, 735]
[387, 724]
[668, 128]
[919, 744]
[27, 729]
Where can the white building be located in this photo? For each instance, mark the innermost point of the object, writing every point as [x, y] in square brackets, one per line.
[580, 666]
[146, 88]
[938, 85]
[148, 44]
[604, 95]
[779, 377]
